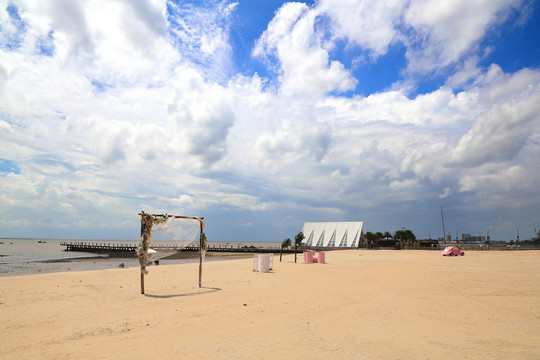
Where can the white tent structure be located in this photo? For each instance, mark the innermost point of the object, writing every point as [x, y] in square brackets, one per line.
[333, 234]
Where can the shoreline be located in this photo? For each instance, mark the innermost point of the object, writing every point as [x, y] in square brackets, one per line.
[38, 256]
[103, 262]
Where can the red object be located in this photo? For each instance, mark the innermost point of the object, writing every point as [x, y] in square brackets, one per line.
[308, 256]
[452, 251]
[311, 256]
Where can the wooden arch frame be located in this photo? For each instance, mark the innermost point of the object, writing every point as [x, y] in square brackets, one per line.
[201, 228]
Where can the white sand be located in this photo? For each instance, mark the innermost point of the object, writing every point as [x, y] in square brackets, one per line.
[360, 305]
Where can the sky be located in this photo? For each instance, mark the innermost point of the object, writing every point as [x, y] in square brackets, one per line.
[262, 115]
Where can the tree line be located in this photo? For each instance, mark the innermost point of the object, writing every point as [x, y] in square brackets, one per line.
[400, 238]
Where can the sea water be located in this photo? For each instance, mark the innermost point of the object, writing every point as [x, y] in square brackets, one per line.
[36, 256]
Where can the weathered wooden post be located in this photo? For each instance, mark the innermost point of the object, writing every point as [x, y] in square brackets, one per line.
[200, 252]
[142, 283]
[142, 274]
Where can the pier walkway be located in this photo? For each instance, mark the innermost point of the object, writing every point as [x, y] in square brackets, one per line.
[109, 247]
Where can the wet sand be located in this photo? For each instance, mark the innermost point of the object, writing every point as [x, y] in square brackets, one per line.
[361, 304]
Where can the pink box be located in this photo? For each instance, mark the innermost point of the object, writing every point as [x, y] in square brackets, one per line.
[320, 258]
[308, 257]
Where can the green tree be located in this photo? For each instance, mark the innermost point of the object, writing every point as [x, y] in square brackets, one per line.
[387, 235]
[404, 236]
[371, 238]
[285, 243]
[368, 236]
[298, 239]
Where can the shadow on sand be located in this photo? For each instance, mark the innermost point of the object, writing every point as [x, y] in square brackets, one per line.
[207, 290]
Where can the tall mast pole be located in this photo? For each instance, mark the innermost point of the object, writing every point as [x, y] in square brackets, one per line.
[443, 232]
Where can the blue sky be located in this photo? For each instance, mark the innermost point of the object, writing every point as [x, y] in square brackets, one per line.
[263, 115]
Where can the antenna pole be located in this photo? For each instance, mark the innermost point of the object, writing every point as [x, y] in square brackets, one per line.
[443, 232]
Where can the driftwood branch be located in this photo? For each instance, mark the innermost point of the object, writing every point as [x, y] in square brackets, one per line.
[178, 216]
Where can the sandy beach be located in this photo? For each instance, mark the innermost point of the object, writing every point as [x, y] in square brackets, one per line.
[361, 304]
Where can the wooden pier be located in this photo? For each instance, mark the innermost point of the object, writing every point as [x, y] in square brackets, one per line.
[112, 247]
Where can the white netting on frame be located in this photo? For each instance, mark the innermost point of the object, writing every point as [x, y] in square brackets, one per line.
[164, 235]
[177, 232]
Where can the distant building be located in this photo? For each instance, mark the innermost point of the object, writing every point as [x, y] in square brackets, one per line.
[469, 238]
[447, 239]
[333, 234]
[465, 238]
[536, 236]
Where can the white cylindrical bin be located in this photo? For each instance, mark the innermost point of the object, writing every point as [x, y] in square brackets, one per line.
[255, 262]
[264, 263]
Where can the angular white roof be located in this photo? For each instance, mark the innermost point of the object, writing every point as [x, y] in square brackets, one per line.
[333, 234]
